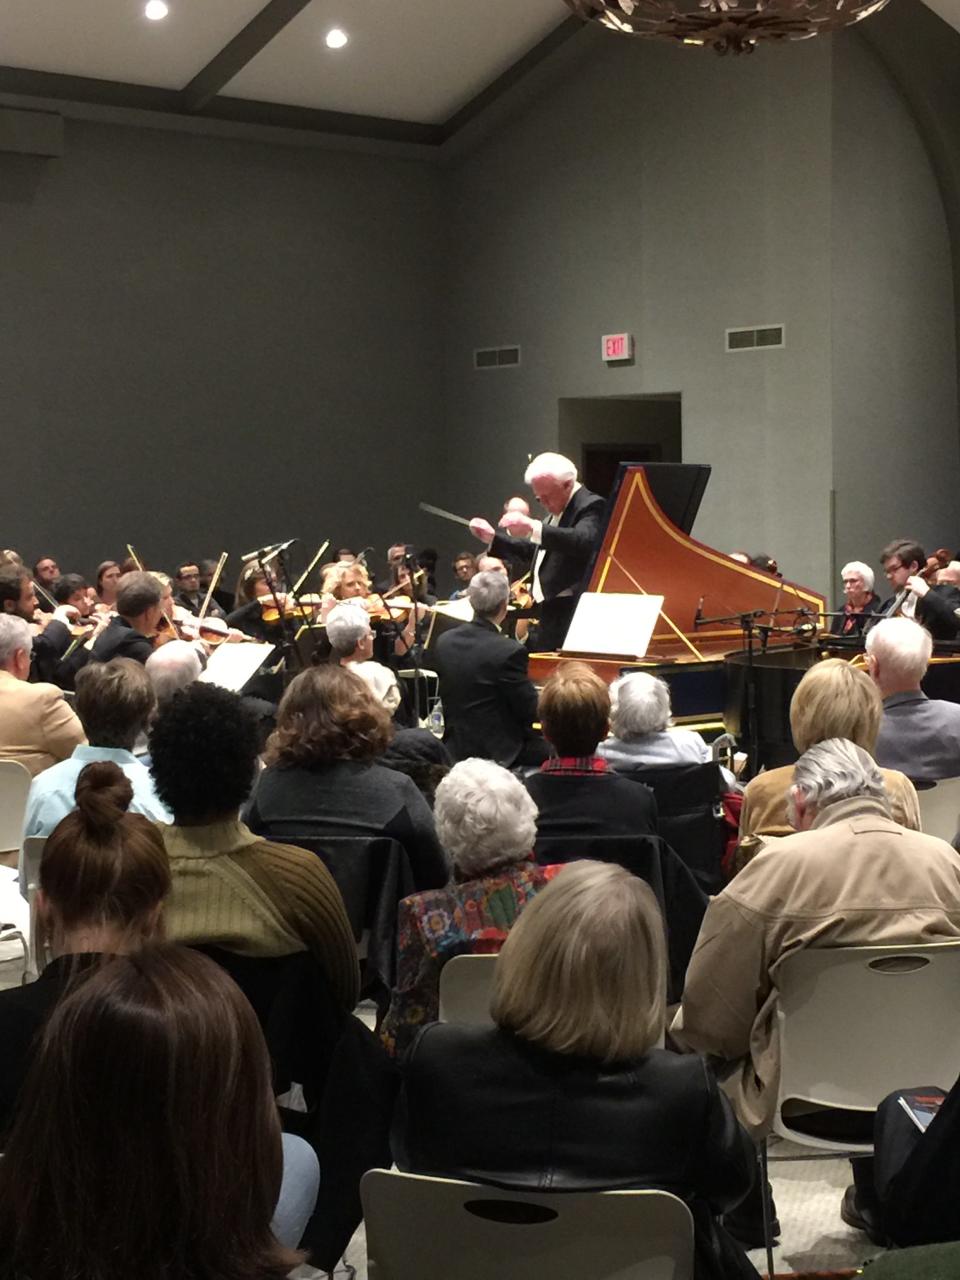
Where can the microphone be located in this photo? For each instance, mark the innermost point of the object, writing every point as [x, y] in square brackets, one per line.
[268, 553]
[362, 557]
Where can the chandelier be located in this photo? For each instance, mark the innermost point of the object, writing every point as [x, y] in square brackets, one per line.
[728, 26]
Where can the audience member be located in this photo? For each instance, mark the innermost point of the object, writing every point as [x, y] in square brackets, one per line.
[486, 822]
[489, 702]
[421, 756]
[139, 609]
[103, 879]
[115, 702]
[232, 889]
[148, 1142]
[919, 735]
[351, 639]
[860, 601]
[322, 776]
[642, 735]
[833, 700]
[172, 667]
[37, 727]
[569, 1090]
[576, 792]
[849, 876]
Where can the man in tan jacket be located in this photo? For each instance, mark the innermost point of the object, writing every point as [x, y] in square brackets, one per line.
[849, 876]
[37, 727]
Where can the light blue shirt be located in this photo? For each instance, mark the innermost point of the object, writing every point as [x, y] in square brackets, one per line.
[52, 791]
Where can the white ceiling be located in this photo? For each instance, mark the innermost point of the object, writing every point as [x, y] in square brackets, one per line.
[407, 60]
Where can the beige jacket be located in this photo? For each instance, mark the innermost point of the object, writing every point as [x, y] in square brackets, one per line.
[37, 727]
[855, 878]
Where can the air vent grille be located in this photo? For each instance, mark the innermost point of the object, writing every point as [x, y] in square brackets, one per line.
[766, 336]
[496, 358]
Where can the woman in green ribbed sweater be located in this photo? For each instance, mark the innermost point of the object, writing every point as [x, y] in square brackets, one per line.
[232, 889]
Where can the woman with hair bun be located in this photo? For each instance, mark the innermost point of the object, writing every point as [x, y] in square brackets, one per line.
[103, 880]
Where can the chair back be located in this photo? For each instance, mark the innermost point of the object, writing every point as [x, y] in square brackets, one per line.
[15, 782]
[419, 1226]
[30, 856]
[940, 809]
[689, 815]
[372, 874]
[640, 855]
[466, 987]
[857, 1023]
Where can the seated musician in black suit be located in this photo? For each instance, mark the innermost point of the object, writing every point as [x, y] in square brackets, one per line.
[129, 634]
[489, 704]
[558, 549]
[577, 793]
[860, 601]
[932, 606]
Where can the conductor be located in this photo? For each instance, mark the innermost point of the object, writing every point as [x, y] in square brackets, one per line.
[559, 548]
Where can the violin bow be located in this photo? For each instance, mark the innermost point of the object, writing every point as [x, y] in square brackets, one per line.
[213, 585]
[135, 558]
[309, 569]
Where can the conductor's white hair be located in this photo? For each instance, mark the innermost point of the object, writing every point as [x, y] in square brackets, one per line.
[347, 624]
[14, 635]
[485, 817]
[550, 465]
[901, 647]
[639, 704]
[836, 769]
[864, 570]
[488, 593]
[172, 667]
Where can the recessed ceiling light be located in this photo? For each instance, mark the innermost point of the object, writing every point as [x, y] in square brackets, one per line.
[335, 38]
[155, 10]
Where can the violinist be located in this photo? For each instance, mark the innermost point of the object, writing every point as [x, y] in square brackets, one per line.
[53, 639]
[222, 598]
[905, 567]
[464, 567]
[189, 594]
[342, 581]
[139, 610]
[253, 592]
[108, 575]
[72, 590]
[45, 573]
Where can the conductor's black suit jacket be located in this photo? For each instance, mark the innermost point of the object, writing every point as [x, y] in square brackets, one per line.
[489, 704]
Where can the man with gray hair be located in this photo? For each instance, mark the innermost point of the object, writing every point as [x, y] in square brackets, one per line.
[172, 667]
[558, 548]
[850, 876]
[351, 639]
[489, 703]
[37, 727]
[920, 736]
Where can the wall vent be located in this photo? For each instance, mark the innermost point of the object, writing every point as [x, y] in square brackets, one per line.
[496, 358]
[766, 336]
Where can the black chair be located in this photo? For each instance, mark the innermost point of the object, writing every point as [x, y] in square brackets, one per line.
[372, 874]
[681, 899]
[689, 814]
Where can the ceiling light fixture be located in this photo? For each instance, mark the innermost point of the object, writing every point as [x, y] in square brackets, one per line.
[728, 26]
[335, 38]
[155, 10]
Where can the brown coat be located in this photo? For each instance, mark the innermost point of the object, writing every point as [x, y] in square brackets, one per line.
[855, 878]
[37, 727]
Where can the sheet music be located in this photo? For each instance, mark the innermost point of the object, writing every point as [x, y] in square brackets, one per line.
[231, 665]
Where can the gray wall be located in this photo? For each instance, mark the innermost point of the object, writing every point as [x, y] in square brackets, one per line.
[209, 344]
[895, 444]
[674, 195]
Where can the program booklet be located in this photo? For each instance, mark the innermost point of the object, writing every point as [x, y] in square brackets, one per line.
[921, 1107]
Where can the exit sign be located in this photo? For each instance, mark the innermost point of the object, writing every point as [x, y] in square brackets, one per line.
[616, 346]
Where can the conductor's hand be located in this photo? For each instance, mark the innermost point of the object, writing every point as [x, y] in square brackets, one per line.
[517, 523]
[482, 529]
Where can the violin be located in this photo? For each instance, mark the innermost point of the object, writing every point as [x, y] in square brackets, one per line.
[304, 609]
[521, 597]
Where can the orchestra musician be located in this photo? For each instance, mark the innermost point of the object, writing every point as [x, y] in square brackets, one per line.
[905, 566]
[108, 575]
[45, 573]
[559, 547]
[860, 601]
[139, 610]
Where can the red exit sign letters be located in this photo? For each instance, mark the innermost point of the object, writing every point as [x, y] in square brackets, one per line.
[616, 346]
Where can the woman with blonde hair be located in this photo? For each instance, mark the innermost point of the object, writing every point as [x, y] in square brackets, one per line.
[833, 700]
[569, 1089]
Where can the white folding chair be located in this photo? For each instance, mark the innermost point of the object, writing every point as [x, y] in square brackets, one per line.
[856, 1023]
[30, 856]
[15, 782]
[940, 809]
[466, 986]
[418, 1226]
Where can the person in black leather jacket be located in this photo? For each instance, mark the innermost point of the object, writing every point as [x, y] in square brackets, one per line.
[569, 1091]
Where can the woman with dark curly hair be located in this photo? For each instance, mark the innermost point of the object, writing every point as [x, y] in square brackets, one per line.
[230, 888]
[322, 777]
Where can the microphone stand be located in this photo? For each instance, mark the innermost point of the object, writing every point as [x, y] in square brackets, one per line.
[288, 647]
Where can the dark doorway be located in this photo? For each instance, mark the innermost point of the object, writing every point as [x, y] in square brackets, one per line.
[599, 433]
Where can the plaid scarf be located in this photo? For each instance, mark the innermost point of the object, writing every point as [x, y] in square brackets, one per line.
[575, 766]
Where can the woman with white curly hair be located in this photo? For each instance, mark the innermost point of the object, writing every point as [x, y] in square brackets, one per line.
[487, 823]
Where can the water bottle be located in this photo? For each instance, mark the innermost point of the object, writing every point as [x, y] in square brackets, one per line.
[435, 722]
